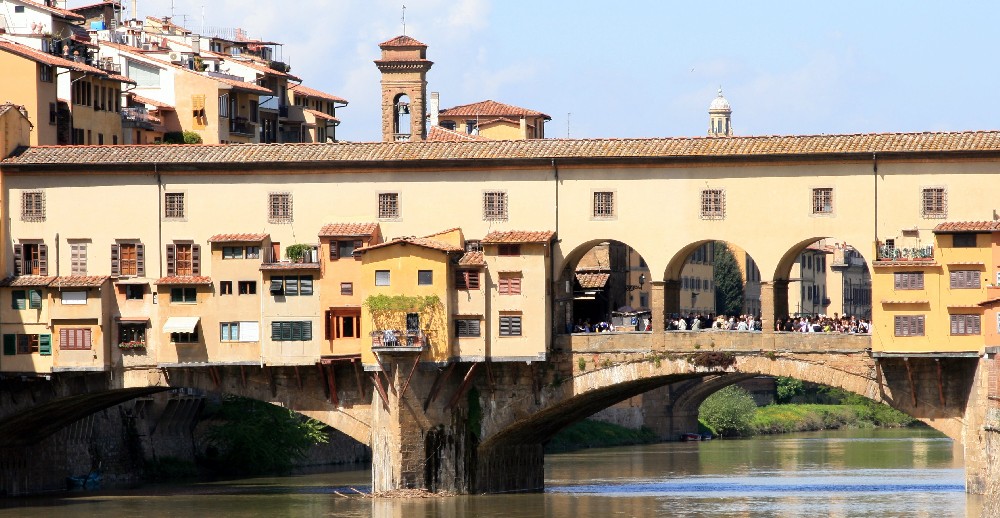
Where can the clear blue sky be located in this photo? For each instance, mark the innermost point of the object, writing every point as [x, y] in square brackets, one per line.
[649, 68]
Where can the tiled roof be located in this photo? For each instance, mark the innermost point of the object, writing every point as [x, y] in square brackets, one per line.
[312, 92]
[320, 115]
[592, 280]
[508, 120]
[518, 236]
[260, 67]
[48, 59]
[26, 280]
[439, 134]
[472, 259]
[70, 15]
[241, 85]
[743, 148]
[490, 108]
[401, 41]
[348, 229]
[967, 226]
[182, 280]
[419, 241]
[102, 3]
[238, 238]
[266, 267]
[159, 105]
[79, 281]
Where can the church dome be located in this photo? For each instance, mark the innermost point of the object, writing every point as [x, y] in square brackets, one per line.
[719, 103]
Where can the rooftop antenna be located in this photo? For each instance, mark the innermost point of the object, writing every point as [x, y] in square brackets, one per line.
[203, 19]
[567, 123]
[403, 20]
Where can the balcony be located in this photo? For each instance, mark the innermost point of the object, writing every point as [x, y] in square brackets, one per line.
[138, 118]
[241, 126]
[918, 253]
[390, 340]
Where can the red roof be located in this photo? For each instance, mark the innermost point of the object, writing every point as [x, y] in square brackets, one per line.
[312, 92]
[26, 280]
[320, 115]
[472, 259]
[490, 108]
[592, 280]
[48, 59]
[54, 10]
[290, 265]
[348, 230]
[419, 241]
[238, 238]
[79, 281]
[967, 226]
[102, 3]
[401, 41]
[182, 280]
[518, 236]
[152, 102]
[439, 134]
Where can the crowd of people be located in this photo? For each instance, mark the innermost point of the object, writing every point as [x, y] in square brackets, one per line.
[700, 322]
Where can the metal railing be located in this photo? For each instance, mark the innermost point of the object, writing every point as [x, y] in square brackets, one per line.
[137, 117]
[242, 126]
[398, 338]
[888, 253]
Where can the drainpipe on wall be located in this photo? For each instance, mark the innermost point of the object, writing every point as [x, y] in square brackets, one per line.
[552, 263]
[875, 181]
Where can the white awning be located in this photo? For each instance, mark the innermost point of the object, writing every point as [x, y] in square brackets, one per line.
[181, 324]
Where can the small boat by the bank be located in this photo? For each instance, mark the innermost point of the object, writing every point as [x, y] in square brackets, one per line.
[691, 437]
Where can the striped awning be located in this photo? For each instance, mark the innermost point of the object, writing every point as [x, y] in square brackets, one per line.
[181, 324]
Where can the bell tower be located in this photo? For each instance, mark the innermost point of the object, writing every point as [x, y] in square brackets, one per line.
[720, 114]
[404, 67]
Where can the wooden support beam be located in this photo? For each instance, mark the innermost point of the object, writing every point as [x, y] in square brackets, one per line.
[385, 372]
[331, 383]
[356, 364]
[213, 371]
[491, 383]
[442, 376]
[913, 387]
[298, 377]
[377, 381]
[243, 375]
[416, 360]
[269, 374]
[940, 381]
[463, 387]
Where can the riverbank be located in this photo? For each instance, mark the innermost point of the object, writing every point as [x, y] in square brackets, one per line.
[596, 434]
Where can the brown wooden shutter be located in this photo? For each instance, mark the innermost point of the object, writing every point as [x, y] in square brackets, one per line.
[140, 260]
[115, 262]
[43, 259]
[357, 245]
[195, 259]
[515, 285]
[171, 260]
[64, 339]
[334, 251]
[329, 321]
[18, 259]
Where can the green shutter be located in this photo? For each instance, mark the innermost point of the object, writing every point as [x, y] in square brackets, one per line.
[307, 331]
[45, 345]
[276, 331]
[35, 299]
[9, 345]
[18, 299]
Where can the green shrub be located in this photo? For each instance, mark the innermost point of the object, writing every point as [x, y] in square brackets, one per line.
[729, 411]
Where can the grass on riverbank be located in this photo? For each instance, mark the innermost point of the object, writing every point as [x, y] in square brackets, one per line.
[773, 419]
[595, 434]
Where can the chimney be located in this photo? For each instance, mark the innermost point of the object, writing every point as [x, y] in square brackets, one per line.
[524, 128]
[196, 44]
[435, 108]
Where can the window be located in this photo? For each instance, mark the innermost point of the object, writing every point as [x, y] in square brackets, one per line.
[132, 333]
[27, 344]
[381, 277]
[224, 105]
[963, 241]
[134, 291]
[425, 277]
[185, 338]
[53, 114]
[908, 280]
[128, 259]
[78, 258]
[340, 249]
[199, 117]
[173, 205]
[247, 287]
[449, 125]
[73, 298]
[26, 299]
[466, 280]
[509, 284]
[465, 327]
[604, 204]
[33, 206]
[75, 338]
[908, 325]
[713, 204]
[473, 245]
[508, 249]
[229, 331]
[45, 73]
[934, 203]
[183, 260]
[965, 324]
[184, 295]
[279, 207]
[965, 279]
[225, 287]
[494, 206]
[388, 205]
[232, 252]
[292, 285]
[252, 252]
[343, 323]
[18, 8]
[347, 288]
[510, 325]
[293, 331]
[822, 201]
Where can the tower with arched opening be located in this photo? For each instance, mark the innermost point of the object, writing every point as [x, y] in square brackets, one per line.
[720, 117]
[404, 67]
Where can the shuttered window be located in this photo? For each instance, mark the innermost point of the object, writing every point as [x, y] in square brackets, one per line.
[31, 259]
[510, 325]
[199, 117]
[128, 259]
[466, 280]
[78, 258]
[183, 260]
[291, 331]
[908, 325]
[467, 327]
[74, 338]
[965, 324]
[509, 284]
[19, 299]
[965, 279]
[908, 280]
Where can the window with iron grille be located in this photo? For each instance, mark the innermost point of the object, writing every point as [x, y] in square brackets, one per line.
[494, 206]
[388, 205]
[510, 325]
[713, 204]
[965, 324]
[467, 327]
[908, 280]
[965, 279]
[934, 203]
[32, 206]
[908, 325]
[604, 204]
[822, 200]
[279, 207]
[173, 205]
[466, 280]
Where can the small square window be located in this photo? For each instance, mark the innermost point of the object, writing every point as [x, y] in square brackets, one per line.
[233, 252]
[184, 295]
[963, 241]
[134, 291]
[173, 205]
[18, 8]
[279, 207]
[508, 249]
[252, 252]
[822, 201]
[510, 325]
[381, 277]
[713, 204]
[425, 277]
[604, 204]
[388, 205]
[494, 206]
[225, 287]
[247, 287]
[347, 288]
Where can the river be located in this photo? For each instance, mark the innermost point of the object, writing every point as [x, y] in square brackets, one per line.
[878, 473]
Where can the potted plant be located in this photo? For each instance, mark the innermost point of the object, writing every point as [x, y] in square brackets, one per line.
[132, 344]
[298, 253]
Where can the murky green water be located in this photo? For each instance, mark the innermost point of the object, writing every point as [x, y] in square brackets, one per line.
[841, 474]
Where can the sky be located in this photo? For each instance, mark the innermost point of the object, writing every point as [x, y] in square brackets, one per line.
[647, 68]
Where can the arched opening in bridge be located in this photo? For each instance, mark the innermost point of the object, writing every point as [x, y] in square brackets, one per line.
[606, 283]
[711, 281]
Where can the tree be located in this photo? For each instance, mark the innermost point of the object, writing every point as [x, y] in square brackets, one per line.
[729, 411]
[728, 281]
[179, 137]
[788, 388]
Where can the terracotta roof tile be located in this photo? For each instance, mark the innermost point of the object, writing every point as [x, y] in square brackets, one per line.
[159, 105]
[490, 108]
[102, 3]
[518, 236]
[312, 92]
[289, 265]
[26, 280]
[592, 280]
[799, 146]
[70, 15]
[260, 67]
[472, 259]
[320, 115]
[48, 59]
[238, 238]
[419, 241]
[967, 226]
[439, 134]
[79, 281]
[241, 85]
[348, 229]
[182, 280]
[401, 41]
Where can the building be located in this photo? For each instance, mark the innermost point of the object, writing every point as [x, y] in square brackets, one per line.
[811, 273]
[720, 115]
[490, 119]
[404, 66]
